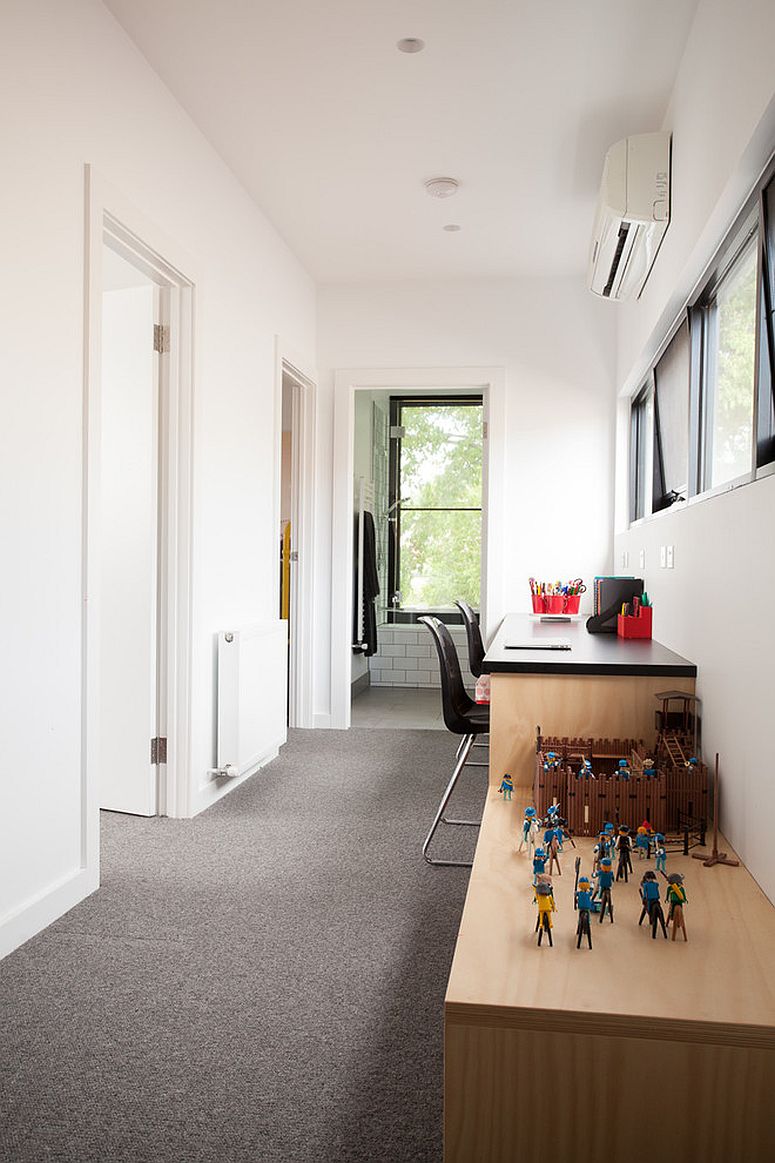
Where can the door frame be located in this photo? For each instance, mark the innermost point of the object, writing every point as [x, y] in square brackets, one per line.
[303, 426]
[109, 216]
[491, 382]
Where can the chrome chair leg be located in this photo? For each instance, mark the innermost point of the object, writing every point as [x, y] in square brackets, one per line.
[467, 763]
[468, 741]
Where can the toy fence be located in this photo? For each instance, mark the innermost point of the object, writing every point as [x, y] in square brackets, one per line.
[665, 801]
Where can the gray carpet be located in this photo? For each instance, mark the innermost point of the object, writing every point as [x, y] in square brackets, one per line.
[264, 982]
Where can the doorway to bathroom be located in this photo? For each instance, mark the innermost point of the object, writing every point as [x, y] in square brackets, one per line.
[418, 461]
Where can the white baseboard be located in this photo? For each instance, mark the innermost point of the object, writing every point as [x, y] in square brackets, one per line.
[321, 720]
[215, 788]
[34, 915]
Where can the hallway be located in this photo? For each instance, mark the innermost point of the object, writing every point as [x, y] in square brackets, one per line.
[264, 982]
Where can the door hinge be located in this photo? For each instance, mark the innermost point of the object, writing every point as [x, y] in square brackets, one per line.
[161, 338]
[159, 750]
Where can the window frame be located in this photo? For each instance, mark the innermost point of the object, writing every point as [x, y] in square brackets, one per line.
[397, 403]
[756, 220]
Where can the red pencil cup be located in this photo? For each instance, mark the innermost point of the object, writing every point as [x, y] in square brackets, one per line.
[572, 603]
[636, 625]
[555, 603]
[538, 603]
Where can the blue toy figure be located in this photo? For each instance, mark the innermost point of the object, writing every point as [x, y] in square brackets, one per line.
[605, 880]
[529, 828]
[539, 864]
[585, 770]
[507, 786]
[583, 902]
[649, 769]
[643, 841]
[623, 769]
[661, 853]
[652, 908]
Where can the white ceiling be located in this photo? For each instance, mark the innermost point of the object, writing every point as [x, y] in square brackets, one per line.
[333, 131]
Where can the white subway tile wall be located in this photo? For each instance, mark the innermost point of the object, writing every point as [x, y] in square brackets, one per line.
[406, 657]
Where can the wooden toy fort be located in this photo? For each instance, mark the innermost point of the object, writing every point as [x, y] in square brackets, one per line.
[668, 786]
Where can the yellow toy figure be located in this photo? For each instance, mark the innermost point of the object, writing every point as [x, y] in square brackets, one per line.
[544, 898]
[507, 786]
[676, 898]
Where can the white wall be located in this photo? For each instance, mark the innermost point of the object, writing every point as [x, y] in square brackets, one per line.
[709, 607]
[557, 345]
[74, 90]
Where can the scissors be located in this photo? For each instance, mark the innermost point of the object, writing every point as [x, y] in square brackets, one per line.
[577, 586]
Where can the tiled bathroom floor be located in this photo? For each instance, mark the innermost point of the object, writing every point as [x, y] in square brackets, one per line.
[398, 707]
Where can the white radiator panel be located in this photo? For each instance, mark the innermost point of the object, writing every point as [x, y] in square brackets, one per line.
[252, 696]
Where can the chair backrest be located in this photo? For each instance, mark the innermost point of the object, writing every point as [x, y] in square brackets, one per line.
[474, 635]
[455, 701]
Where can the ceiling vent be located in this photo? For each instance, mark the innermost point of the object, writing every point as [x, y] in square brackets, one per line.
[633, 213]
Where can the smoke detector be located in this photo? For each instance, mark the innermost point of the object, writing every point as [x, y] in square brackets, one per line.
[442, 187]
[410, 44]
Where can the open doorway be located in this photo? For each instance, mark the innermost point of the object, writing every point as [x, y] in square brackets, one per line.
[418, 461]
[138, 500]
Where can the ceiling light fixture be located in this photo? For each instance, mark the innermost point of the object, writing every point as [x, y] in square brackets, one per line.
[410, 44]
[452, 227]
[442, 187]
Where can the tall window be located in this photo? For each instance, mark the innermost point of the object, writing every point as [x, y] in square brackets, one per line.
[671, 422]
[436, 501]
[712, 422]
[728, 391]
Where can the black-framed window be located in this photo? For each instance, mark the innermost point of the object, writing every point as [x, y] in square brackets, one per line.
[765, 425]
[640, 414]
[671, 422]
[435, 543]
[728, 384]
[712, 425]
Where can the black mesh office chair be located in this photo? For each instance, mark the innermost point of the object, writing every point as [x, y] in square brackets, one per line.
[462, 716]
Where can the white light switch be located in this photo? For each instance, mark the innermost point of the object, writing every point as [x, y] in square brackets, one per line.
[670, 557]
[642, 559]
[662, 556]
[625, 559]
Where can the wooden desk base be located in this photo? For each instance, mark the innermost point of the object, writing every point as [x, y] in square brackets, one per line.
[635, 1046]
[613, 705]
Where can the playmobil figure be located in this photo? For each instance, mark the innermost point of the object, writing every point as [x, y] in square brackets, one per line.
[552, 761]
[623, 769]
[544, 898]
[676, 898]
[643, 841]
[624, 848]
[552, 814]
[649, 768]
[539, 864]
[553, 851]
[583, 902]
[649, 895]
[507, 786]
[585, 769]
[660, 852]
[605, 880]
[527, 828]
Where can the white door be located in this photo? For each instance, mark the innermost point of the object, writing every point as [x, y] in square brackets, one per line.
[129, 527]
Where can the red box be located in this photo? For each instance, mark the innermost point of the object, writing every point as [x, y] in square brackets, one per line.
[555, 603]
[538, 604]
[572, 603]
[635, 625]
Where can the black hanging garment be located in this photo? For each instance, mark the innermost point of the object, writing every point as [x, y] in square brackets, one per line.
[370, 586]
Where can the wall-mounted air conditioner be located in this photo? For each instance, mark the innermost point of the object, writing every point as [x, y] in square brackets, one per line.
[633, 213]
